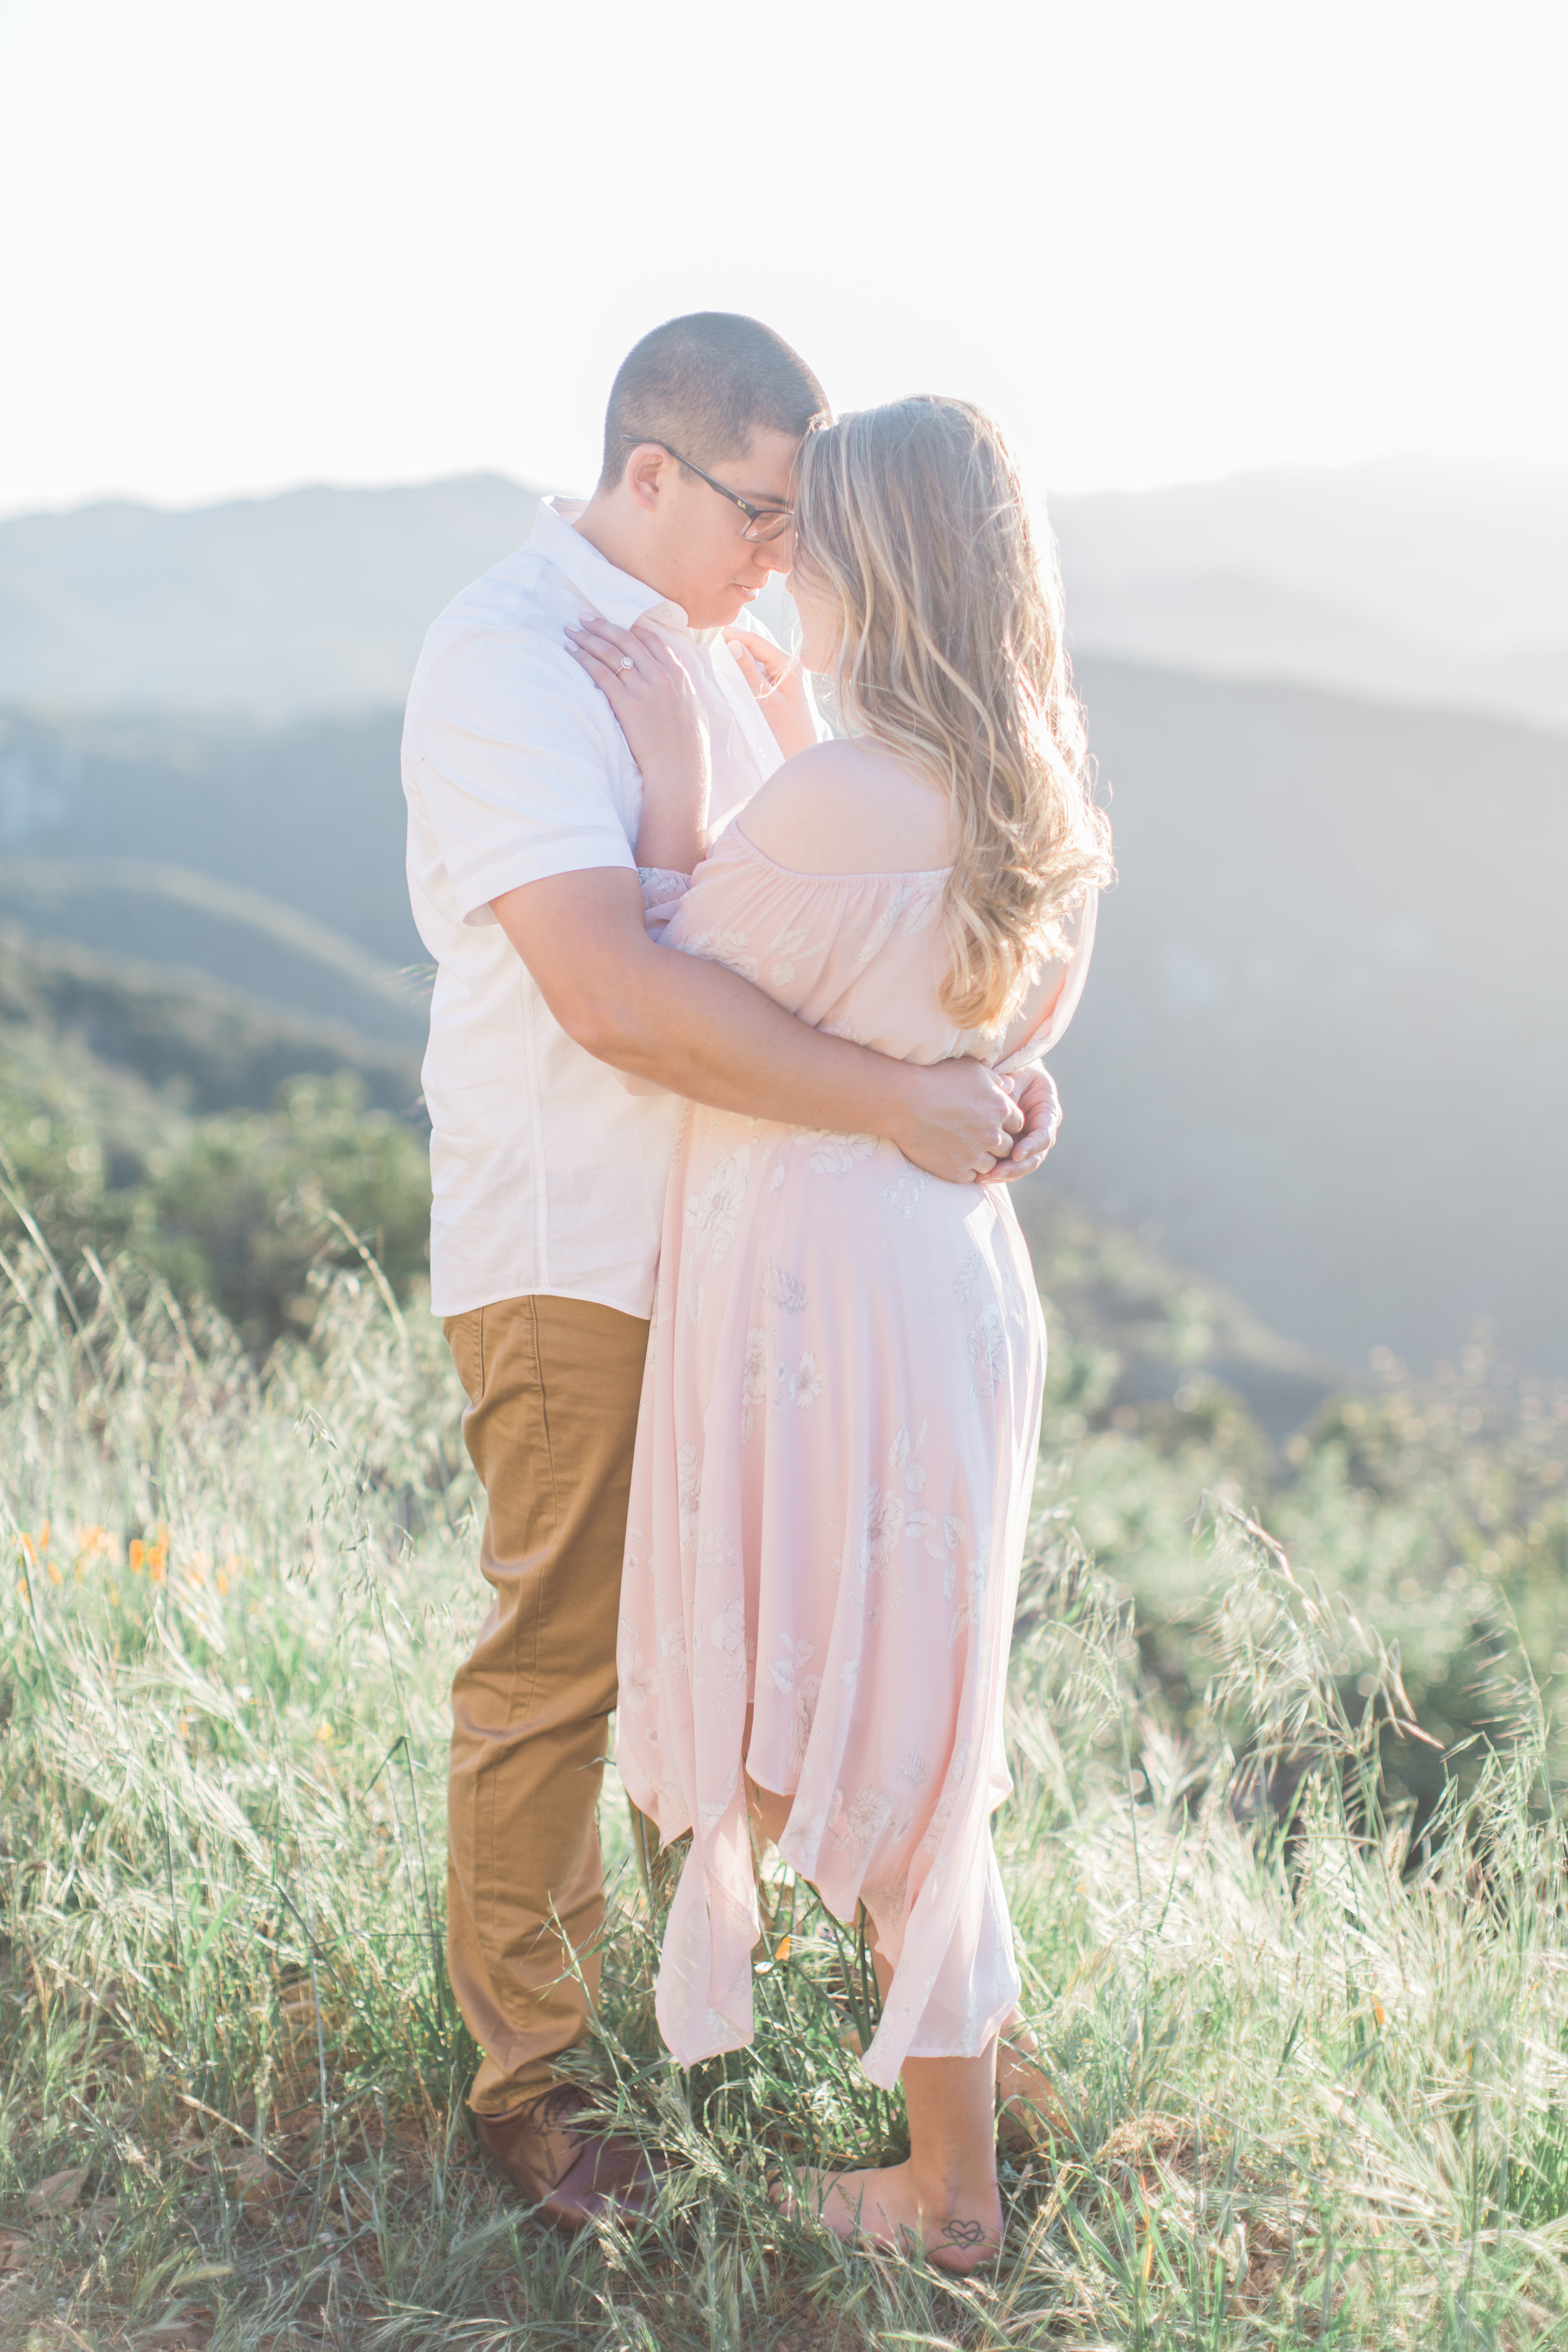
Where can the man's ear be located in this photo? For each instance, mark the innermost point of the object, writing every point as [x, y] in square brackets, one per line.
[645, 474]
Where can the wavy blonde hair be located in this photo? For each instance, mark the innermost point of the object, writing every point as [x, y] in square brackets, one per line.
[911, 519]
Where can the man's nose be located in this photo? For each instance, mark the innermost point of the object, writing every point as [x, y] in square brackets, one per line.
[776, 554]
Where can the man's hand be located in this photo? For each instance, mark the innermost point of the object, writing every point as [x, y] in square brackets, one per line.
[955, 1118]
[1041, 1105]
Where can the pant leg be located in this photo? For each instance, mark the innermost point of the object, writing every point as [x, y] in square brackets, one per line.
[552, 1387]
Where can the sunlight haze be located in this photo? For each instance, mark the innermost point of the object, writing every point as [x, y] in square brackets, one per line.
[337, 242]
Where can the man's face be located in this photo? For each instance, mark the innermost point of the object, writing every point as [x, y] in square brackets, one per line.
[704, 564]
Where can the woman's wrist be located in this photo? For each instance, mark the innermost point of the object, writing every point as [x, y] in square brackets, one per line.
[673, 848]
[673, 830]
[792, 727]
[891, 1099]
[791, 721]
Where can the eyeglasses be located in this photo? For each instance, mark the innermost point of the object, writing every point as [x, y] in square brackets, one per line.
[762, 523]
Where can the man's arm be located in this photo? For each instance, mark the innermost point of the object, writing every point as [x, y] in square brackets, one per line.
[701, 1031]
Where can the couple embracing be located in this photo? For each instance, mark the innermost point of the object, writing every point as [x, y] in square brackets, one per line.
[734, 1050]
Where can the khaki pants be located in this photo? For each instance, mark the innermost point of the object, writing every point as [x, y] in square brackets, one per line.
[552, 1387]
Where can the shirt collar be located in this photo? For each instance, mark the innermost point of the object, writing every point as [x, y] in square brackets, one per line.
[614, 594]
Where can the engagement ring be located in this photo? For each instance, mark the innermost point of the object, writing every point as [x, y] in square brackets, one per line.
[625, 662]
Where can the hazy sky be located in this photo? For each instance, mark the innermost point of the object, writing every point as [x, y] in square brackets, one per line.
[364, 240]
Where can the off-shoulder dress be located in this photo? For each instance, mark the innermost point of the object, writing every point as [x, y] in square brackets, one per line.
[835, 1458]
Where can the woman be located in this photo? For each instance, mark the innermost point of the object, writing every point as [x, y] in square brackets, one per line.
[841, 1408]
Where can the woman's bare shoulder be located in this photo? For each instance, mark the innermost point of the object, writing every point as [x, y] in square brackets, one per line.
[849, 808]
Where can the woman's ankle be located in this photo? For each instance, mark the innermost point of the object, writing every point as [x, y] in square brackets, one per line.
[956, 2182]
[951, 2108]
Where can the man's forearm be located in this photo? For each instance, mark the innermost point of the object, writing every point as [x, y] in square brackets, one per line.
[689, 1025]
[699, 1030]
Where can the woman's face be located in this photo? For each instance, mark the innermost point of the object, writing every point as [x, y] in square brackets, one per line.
[819, 629]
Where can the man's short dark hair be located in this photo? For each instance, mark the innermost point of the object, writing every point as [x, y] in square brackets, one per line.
[704, 385]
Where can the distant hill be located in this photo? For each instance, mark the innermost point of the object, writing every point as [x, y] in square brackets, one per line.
[1322, 1053]
[1436, 585]
[1413, 580]
[314, 601]
[198, 1048]
[1237, 625]
[168, 916]
[1320, 1058]
[310, 817]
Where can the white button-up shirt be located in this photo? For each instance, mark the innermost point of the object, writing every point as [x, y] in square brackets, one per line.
[547, 1175]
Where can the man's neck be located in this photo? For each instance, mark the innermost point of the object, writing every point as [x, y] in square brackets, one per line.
[604, 529]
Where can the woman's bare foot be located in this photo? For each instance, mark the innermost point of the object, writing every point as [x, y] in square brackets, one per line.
[956, 2230]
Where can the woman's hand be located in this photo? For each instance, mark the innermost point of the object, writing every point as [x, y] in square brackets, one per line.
[647, 685]
[1034, 1092]
[778, 681]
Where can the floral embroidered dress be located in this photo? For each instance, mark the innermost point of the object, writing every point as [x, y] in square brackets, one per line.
[835, 1457]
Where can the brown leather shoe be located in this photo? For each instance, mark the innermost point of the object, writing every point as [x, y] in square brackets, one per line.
[603, 2172]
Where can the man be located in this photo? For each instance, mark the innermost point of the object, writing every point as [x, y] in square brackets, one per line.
[549, 1175]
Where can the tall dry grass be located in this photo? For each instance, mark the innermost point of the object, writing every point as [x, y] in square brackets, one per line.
[1314, 2087]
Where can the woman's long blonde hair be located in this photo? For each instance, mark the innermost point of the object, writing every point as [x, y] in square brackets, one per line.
[911, 518]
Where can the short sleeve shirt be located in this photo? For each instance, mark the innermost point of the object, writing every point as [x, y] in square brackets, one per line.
[547, 1176]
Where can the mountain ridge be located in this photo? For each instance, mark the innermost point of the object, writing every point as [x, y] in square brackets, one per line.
[1327, 986]
[1445, 584]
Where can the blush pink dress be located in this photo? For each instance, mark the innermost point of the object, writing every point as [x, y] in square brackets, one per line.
[835, 1459]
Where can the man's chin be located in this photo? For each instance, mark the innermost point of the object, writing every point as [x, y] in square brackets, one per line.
[723, 609]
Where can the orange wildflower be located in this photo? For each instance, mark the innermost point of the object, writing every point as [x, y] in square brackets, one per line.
[152, 1557]
[90, 1543]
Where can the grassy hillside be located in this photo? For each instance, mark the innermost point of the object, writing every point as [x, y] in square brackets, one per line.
[218, 1143]
[1311, 2087]
[1291, 1956]
[193, 1046]
[1164, 1389]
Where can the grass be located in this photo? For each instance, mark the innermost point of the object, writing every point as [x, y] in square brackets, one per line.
[1314, 2074]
